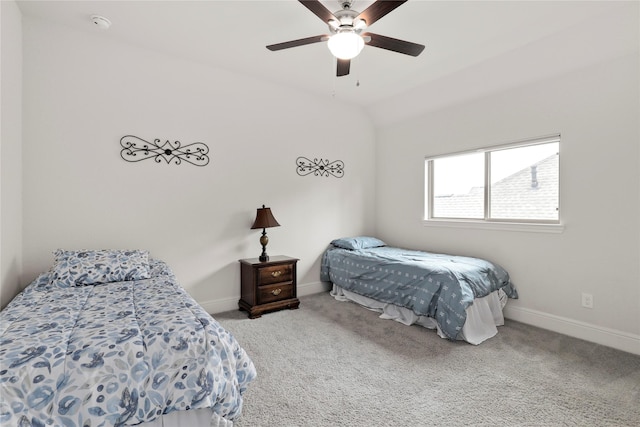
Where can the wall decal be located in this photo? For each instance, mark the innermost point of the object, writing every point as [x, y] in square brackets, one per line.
[319, 167]
[136, 149]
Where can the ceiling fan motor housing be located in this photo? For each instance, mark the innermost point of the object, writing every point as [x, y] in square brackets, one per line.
[346, 21]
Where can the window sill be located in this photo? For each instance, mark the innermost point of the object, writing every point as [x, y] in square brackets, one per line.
[488, 225]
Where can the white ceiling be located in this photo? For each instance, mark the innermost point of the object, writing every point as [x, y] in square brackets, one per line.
[471, 46]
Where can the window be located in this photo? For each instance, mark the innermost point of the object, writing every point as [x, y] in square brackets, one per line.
[517, 182]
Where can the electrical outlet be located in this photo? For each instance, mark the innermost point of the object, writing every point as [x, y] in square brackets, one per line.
[587, 300]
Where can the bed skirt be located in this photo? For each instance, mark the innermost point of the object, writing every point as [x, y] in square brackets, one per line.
[483, 316]
[193, 417]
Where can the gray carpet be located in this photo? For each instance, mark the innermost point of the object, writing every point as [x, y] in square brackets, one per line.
[334, 363]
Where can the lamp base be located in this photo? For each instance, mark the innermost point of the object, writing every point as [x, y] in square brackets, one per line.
[263, 241]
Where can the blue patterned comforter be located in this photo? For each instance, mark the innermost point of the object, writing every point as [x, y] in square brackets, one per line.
[434, 285]
[117, 353]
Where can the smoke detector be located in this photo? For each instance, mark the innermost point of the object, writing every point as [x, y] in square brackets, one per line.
[100, 22]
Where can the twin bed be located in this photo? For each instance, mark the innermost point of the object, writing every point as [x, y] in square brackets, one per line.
[110, 338]
[461, 297]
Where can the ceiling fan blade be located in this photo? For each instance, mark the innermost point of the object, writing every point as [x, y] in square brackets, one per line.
[394, 45]
[378, 9]
[295, 43]
[344, 65]
[318, 9]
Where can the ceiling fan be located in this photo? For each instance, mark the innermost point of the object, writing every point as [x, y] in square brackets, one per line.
[346, 26]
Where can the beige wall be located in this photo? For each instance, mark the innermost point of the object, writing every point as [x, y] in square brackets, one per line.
[10, 152]
[596, 111]
[83, 93]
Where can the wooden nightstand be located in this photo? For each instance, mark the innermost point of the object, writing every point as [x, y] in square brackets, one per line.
[268, 286]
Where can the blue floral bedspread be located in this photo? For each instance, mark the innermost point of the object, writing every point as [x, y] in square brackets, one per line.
[117, 353]
[434, 285]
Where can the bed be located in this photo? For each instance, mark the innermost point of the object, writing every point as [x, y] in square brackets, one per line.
[461, 297]
[110, 338]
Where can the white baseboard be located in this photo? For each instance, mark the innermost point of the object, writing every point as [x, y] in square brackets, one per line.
[313, 288]
[230, 304]
[609, 337]
[220, 305]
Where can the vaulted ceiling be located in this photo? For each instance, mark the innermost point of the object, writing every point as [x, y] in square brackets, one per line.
[472, 47]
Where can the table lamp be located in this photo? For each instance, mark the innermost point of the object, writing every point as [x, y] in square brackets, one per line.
[264, 220]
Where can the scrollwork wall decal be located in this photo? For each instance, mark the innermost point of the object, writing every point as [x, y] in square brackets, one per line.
[319, 167]
[135, 149]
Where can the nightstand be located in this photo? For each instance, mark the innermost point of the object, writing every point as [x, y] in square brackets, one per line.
[268, 286]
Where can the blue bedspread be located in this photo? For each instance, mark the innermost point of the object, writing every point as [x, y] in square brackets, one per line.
[117, 353]
[434, 285]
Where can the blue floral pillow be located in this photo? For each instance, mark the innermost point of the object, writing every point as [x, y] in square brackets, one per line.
[360, 242]
[90, 267]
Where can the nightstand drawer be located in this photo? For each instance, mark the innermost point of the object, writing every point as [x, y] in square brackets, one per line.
[276, 273]
[275, 292]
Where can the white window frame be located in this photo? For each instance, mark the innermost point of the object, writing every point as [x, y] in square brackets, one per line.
[551, 226]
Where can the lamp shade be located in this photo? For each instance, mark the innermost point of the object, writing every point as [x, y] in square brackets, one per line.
[345, 44]
[264, 219]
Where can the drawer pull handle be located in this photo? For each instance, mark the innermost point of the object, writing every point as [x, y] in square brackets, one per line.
[276, 292]
[276, 273]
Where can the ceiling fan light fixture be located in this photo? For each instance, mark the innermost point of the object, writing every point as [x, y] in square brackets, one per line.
[345, 44]
[360, 24]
